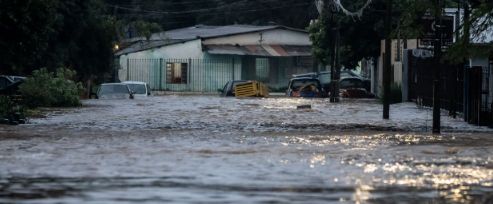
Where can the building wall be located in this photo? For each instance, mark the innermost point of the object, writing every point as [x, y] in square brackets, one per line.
[277, 36]
[206, 72]
[398, 47]
[187, 50]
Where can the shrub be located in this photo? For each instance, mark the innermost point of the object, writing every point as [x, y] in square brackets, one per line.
[4, 106]
[11, 111]
[48, 89]
[395, 93]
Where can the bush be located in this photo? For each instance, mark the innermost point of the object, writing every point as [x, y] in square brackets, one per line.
[395, 93]
[46, 89]
[4, 106]
[11, 111]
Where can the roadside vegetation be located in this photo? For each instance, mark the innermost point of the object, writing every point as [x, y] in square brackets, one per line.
[48, 89]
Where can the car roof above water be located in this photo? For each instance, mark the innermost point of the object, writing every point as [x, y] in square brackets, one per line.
[134, 82]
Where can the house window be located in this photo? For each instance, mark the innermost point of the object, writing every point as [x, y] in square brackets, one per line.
[176, 73]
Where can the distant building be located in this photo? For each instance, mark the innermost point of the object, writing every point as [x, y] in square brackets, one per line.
[203, 58]
[467, 88]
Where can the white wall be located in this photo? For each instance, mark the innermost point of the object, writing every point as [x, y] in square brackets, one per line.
[277, 36]
[186, 50]
[397, 65]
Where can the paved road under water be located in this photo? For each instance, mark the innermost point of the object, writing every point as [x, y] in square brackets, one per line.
[201, 149]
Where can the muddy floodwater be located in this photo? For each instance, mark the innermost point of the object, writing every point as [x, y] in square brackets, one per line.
[207, 149]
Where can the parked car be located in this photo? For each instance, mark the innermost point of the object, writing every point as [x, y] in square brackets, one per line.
[10, 84]
[115, 91]
[140, 89]
[325, 77]
[354, 88]
[305, 87]
[229, 88]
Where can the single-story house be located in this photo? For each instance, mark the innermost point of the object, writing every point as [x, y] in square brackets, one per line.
[203, 58]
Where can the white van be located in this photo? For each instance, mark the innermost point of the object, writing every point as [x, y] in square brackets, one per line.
[139, 89]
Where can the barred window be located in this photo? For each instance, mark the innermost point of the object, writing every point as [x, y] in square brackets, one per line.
[176, 73]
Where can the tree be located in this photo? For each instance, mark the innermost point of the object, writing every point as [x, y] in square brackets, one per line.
[480, 21]
[55, 33]
[25, 30]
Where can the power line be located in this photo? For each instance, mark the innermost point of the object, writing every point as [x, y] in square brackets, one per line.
[200, 10]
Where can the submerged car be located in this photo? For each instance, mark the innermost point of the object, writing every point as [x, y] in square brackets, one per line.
[305, 87]
[9, 85]
[115, 91]
[139, 89]
[229, 88]
[325, 77]
[354, 88]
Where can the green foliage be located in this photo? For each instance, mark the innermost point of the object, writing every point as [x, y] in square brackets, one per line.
[47, 89]
[146, 29]
[54, 33]
[481, 19]
[11, 111]
[359, 37]
[4, 106]
[395, 93]
[321, 37]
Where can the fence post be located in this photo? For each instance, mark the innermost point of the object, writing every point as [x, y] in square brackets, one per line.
[160, 74]
[188, 73]
[128, 69]
[233, 63]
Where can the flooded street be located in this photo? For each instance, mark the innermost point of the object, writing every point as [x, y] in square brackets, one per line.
[206, 149]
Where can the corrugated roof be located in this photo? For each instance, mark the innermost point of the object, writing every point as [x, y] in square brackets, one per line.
[145, 45]
[260, 50]
[204, 31]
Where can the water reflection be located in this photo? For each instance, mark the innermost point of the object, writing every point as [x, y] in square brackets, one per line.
[257, 151]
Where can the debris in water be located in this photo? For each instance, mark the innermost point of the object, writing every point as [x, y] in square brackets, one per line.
[304, 107]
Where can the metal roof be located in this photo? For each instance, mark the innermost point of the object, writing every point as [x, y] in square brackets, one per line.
[145, 45]
[202, 32]
[260, 50]
[205, 31]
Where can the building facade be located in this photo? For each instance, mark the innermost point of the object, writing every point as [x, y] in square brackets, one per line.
[204, 58]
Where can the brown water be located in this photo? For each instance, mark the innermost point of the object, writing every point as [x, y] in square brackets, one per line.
[216, 151]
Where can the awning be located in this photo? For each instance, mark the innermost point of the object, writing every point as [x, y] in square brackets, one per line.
[260, 50]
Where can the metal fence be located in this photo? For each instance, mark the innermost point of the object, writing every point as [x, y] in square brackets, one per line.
[182, 74]
[420, 79]
[209, 75]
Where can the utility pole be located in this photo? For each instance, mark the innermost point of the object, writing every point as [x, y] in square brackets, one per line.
[387, 61]
[437, 68]
[453, 95]
[334, 65]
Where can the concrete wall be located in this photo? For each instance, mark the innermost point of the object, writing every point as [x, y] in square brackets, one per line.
[397, 57]
[190, 49]
[277, 36]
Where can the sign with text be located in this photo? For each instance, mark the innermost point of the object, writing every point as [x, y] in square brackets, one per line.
[431, 26]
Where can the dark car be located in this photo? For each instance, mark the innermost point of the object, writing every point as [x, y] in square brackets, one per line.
[229, 88]
[10, 84]
[325, 77]
[305, 87]
[354, 88]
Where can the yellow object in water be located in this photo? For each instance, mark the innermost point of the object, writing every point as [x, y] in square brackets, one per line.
[251, 89]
